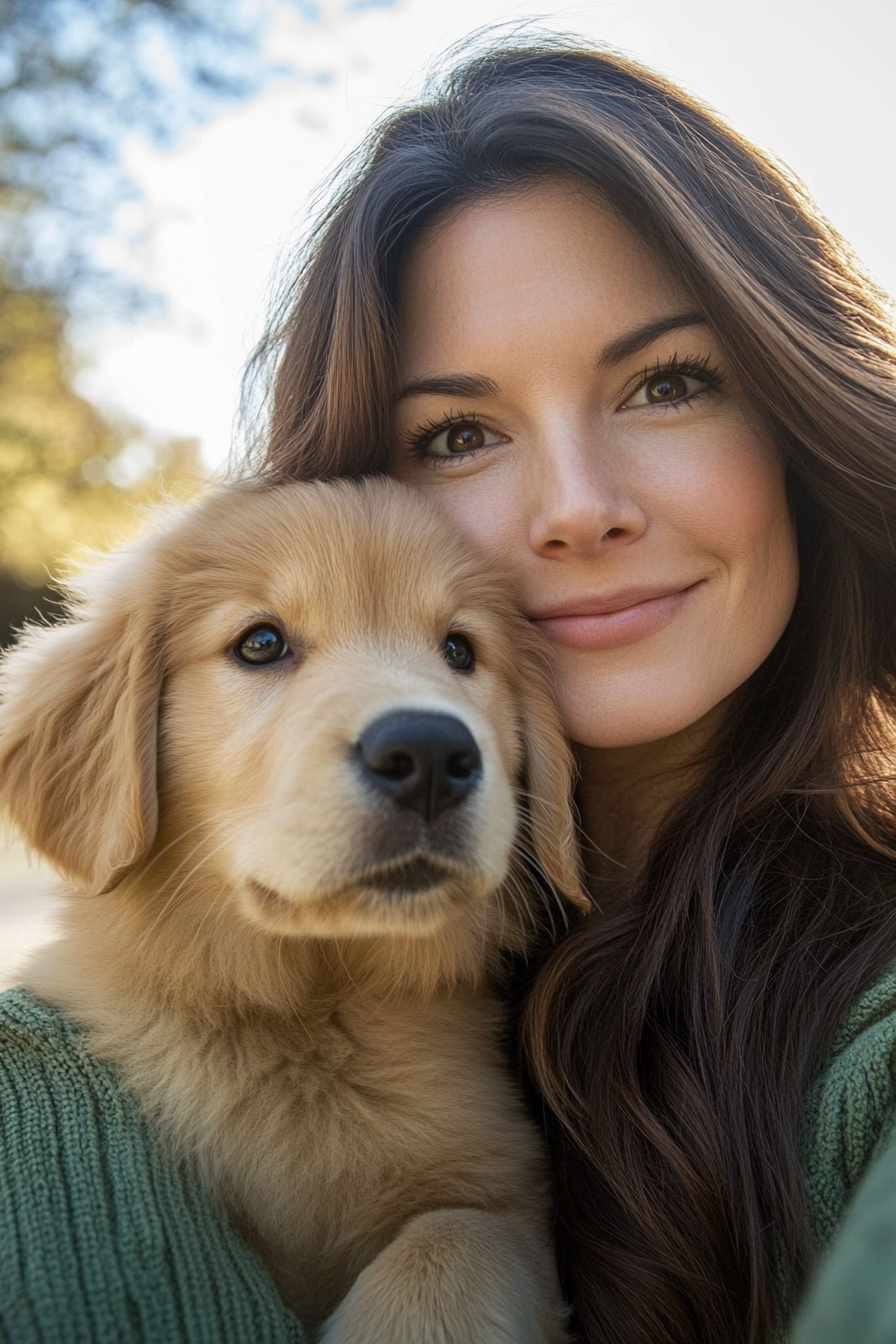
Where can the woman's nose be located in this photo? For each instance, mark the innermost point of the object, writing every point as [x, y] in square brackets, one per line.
[582, 504]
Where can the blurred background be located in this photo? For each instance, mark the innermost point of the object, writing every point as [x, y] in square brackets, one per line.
[160, 160]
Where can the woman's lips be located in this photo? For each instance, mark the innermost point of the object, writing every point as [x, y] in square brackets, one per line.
[611, 622]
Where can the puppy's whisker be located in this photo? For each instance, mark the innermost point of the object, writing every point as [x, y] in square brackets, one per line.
[214, 909]
[208, 831]
[561, 809]
[289, 994]
[289, 990]
[186, 878]
[204, 826]
[523, 900]
[209, 828]
[586, 843]
[502, 915]
[348, 973]
[511, 899]
[158, 854]
[524, 791]
[542, 882]
[151, 928]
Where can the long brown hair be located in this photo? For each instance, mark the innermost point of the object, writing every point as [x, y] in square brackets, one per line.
[673, 1041]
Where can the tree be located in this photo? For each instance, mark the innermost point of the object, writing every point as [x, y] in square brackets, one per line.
[68, 477]
[59, 458]
[75, 77]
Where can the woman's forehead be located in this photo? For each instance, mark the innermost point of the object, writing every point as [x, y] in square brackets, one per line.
[503, 267]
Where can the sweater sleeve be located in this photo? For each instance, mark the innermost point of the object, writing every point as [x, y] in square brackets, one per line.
[850, 1110]
[104, 1237]
[853, 1297]
[849, 1155]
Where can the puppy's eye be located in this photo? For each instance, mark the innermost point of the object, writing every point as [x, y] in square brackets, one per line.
[264, 644]
[458, 652]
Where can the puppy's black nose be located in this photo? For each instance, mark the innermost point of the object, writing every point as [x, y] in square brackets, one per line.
[423, 761]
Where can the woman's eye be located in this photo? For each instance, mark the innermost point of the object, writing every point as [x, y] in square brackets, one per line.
[463, 436]
[263, 644]
[663, 389]
[458, 652]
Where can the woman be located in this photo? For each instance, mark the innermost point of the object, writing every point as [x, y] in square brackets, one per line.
[620, 348]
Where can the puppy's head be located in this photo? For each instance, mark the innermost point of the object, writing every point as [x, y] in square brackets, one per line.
[315, 702]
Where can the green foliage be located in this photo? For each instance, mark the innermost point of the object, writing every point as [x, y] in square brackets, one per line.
[59, 458]
[75, 77]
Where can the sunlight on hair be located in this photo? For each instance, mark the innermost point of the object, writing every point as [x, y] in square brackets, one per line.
[218, 215]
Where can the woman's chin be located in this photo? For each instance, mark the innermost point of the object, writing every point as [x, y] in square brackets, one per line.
[634, 720]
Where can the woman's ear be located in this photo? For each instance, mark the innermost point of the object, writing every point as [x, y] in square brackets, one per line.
[549, 776]
[78, 727]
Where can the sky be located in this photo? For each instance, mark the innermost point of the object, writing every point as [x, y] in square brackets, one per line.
[811, 80]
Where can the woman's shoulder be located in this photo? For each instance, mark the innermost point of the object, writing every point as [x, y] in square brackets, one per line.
[850, 1154]
[850, 1111]
[102, 1232]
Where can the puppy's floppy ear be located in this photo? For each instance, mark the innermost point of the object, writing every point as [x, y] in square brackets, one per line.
[549, 774]
[78, 733]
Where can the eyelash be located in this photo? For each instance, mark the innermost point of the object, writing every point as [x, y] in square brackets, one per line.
[421, 436]
[709, 374]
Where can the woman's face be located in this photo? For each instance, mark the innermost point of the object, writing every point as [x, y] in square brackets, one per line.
[561, 400]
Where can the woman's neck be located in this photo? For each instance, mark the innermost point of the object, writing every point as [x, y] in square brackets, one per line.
[625, 794]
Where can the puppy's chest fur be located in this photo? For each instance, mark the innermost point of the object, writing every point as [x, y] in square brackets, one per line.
[324, 1130]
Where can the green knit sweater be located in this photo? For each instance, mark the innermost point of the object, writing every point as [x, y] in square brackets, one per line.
[105, 1239]
[849, 1149]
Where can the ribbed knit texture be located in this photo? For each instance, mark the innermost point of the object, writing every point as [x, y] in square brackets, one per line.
[104, 1237]
[851, 1109]
[849, 1149]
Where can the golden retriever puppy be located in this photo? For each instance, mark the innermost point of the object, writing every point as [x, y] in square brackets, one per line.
[294, 752]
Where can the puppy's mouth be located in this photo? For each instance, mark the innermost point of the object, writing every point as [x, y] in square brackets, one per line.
[396, 881]
[407, 878]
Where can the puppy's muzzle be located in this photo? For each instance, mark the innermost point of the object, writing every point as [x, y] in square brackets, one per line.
[420, 761]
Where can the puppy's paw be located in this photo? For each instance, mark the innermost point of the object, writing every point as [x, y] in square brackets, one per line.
[456, 1276]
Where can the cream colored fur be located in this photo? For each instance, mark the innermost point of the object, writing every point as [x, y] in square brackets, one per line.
[325, 1051]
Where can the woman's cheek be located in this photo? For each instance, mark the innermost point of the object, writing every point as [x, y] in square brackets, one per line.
[484, 507]
[724, 516]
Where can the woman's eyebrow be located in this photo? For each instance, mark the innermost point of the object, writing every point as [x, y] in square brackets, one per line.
[450, 385]
[636, 340]
[477, 385]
